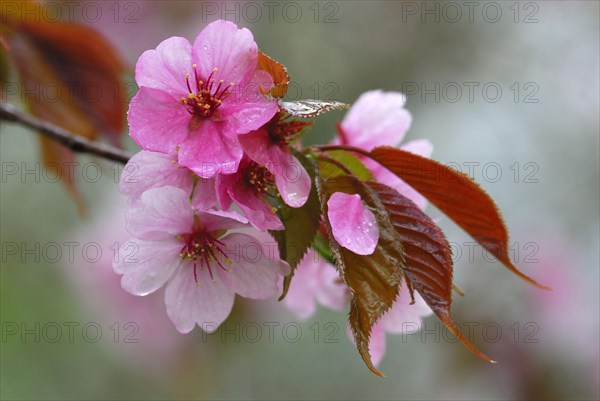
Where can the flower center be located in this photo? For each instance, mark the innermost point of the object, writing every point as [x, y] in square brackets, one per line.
[259, 178]
[202, 250]
[208, 97]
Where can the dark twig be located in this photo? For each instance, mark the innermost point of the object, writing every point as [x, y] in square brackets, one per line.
[76, 143]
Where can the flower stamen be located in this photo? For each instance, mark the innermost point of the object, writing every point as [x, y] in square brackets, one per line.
[204, 101]
[202, 249]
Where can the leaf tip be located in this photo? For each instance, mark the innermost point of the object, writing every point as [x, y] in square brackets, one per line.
[528, 279]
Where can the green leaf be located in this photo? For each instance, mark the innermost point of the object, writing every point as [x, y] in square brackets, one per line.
[301, 225]
[374, 280]
[351, 162]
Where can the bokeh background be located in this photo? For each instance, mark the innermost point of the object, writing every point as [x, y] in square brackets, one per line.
[509, 90]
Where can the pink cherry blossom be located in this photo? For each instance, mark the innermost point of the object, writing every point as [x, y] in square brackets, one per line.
[251, 188]
[147, 170]
[187, 250]
[379, 118]
[269, 147]
[315, 281]
[353, 225]
[198, 98]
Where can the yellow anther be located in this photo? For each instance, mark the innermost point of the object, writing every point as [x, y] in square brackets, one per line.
[194, 66]
[191, 96]
[187, 76]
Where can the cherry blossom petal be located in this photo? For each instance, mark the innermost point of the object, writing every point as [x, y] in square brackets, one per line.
[300, 298]
[206, 302]
[247, 108]
[157, 121]
[165, 68]
[147, 170]
[315, 279]
[204, 196]
[231, 50]
[331, 291]
[147, 265]
[421, 147]
[163, 212]
[292, 180]
[258, 146]
[377, 344]
[293, 183]
[258, 212]
[208, 151]
[223, 183]
[251, 274]
[377, 118]
[352, 224]
[404, 317]
[216, 220]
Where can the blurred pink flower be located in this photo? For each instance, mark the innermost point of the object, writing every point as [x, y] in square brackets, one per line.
[143, 335]
[188, 250]
[249, 188]
[353, 225]
[147, 170]
[315, 281]
[379, 118]
[564, 316]
[198, 98]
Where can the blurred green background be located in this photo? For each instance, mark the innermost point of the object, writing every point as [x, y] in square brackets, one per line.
[529, 130]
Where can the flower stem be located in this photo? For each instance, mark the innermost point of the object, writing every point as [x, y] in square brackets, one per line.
[76, 143]
[321, 247]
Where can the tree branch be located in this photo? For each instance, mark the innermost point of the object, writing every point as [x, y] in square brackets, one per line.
[76, 143]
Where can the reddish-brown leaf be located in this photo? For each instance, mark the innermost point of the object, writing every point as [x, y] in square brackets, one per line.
[89, 66]
[457, 196]
[428, 267]
[281, 79]
[70, 76]
[373, 280]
